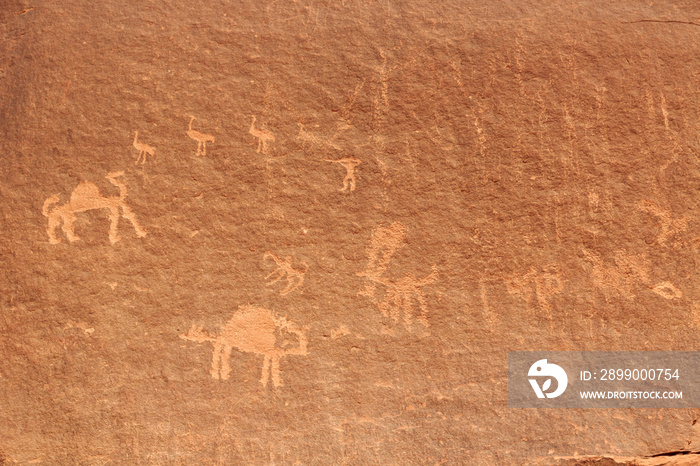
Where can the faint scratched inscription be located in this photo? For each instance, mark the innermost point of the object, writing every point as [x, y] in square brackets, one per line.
[349, 163]
[285, 268]
[400, 296]
[264, 137]
[627, 272]
[253, 330]
[201, 138]
[669, 226]
[544, 284]
[144, 149]
[86, 196]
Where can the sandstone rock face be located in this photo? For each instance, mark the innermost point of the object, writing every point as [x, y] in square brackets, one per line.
[309, 232]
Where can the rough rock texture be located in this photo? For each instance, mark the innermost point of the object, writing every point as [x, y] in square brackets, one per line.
[394, 195]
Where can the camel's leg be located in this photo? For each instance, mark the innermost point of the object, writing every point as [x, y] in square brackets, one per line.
[395, 306]
[128, 214]
[225, 366]
[259, 146]
[352, 183]
[216, 359]
[275, 371]
[114, 224]
[265, 371]
[54, 222]
[405, 304]
[423, 317]
[137, 158]
[204, 148]
[68, 227]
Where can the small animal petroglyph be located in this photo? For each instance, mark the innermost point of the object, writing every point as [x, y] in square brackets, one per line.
[264, 137]
[383, 245]
[669, 226]
[629, 271]
[252, 330]
[319, 142]
[545, 284]
[349, 163]
[143, 149]
[285, 267]
[86, 196]
[201, 138]
[400, 295]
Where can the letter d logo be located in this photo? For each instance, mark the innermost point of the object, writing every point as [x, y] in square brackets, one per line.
[543, 369]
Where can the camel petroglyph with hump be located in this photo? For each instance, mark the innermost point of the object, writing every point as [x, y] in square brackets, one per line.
[86, 196]
[349, 163]
[143, 149]
[252, 330]
[264, 137]
[201, 138]
[400, 295]
[285, 267]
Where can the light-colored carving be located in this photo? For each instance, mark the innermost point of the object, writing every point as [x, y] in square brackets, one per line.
[628, 272]
[321, 142]
[201, 138]
[349, 163]
[400, 295]
[383, 245]
[143, 149]
[264, 137]
[86, 196]
[669, 226]
[285, 268]
[252, 330]
[545, 284]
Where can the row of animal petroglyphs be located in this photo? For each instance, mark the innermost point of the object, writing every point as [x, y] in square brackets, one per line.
[265, 138]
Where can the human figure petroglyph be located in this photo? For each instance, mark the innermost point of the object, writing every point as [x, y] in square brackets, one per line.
[86, 196]
[628, 272]
[384, 243]
[201, 138]
[545, 283]
[285, 268]
[143, 149]
[349, 163]
[400, 295]
[669, 226]
[252, 330]
[264, 137]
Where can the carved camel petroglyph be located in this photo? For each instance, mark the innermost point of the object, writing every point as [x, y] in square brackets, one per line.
[400, 295]
[264, 137]
[143, 149]
[201, 138]
[86, 196]
[251, 330]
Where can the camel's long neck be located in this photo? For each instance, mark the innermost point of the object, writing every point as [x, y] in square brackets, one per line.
[191, 120]
[136, 137]
[120, 185]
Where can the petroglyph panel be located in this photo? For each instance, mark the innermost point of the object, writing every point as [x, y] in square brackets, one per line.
[309, 232]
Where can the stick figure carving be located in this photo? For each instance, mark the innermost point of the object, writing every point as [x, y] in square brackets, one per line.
[264, 137]
[86, 196]
[285, 267]
[252, 330]
[143, 149]
[383, 245]
[201, 138]
[400, 295]
[669, 226]
[349, 163]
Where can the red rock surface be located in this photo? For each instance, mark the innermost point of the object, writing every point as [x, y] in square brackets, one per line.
[527, 180]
